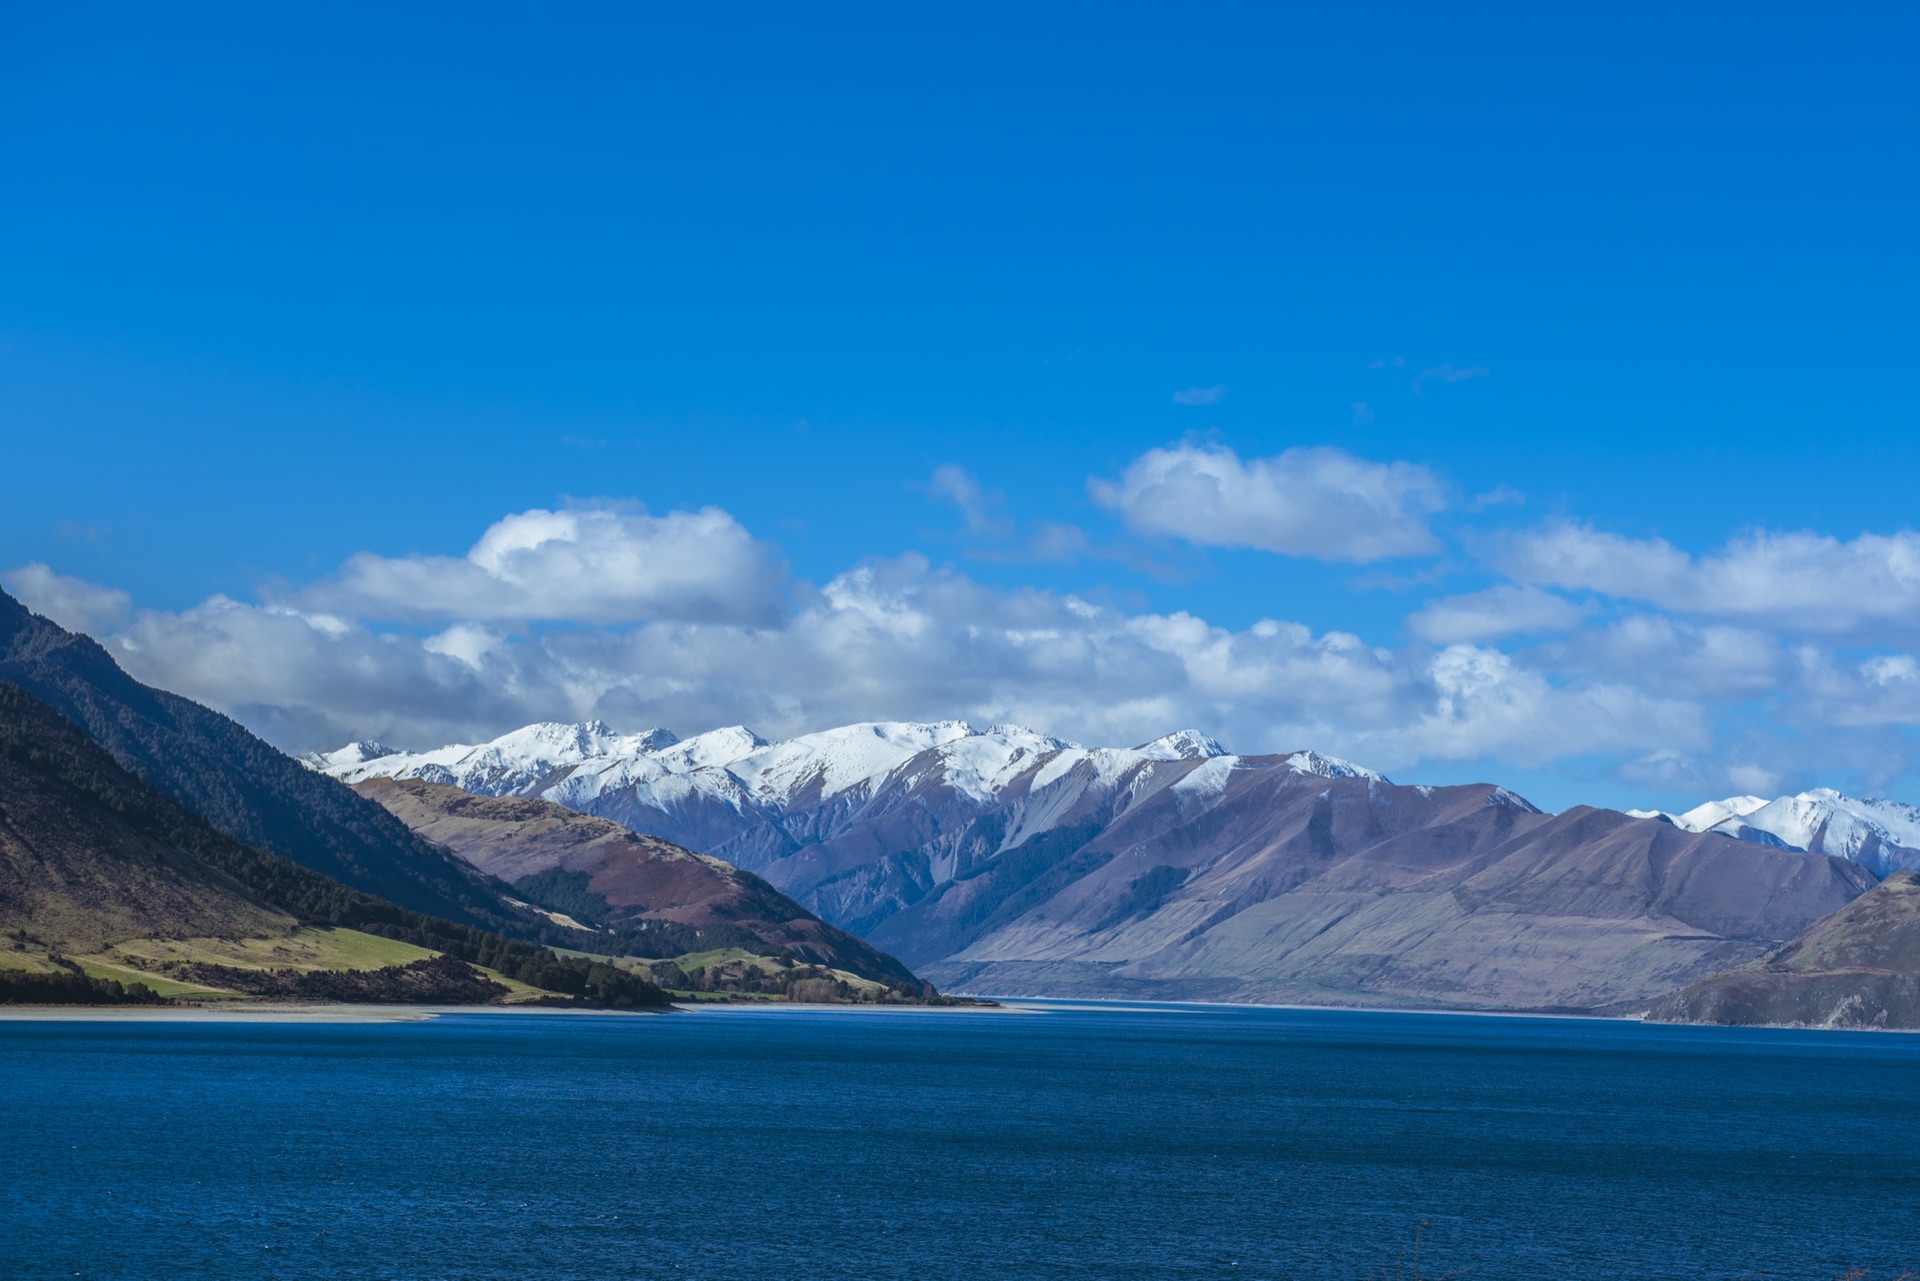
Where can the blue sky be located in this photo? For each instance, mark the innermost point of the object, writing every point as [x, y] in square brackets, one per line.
[1607, 312]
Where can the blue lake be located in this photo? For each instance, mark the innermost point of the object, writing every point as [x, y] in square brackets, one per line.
[1076, 1142]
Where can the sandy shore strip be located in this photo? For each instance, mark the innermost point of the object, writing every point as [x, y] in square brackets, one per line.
[274, 1012]
[340, 1012]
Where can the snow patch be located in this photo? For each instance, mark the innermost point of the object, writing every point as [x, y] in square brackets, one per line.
[1330, 767]
[1209, 778]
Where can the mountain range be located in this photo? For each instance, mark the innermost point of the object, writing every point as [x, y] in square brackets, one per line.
[159, 833]
[1003, 860]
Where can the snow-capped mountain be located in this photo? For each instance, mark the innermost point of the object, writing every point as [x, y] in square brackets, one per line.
[1004, 860]
[1883, 836]
[922, 801]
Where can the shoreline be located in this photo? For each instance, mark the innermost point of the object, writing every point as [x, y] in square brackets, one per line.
[347, 1013]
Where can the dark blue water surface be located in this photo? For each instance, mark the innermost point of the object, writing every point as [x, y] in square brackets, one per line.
[1071, 1143]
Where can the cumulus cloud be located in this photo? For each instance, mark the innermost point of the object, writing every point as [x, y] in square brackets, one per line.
[1496, 612]
[1802, 582]
[73, 603]
[587, 564]
[1485, 703]
[1322, 503]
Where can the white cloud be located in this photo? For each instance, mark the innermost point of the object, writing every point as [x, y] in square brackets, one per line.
[73, 603]
[1496, 612]
[1486, 704]
[1321, 503]
[1446, 373]
[1199, 395]
[1803, 582]
[685, 621]
[1880, 690]
[982, 509]
[586, 564]
[1710, 661]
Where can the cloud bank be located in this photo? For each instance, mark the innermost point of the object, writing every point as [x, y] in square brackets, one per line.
[892, 639]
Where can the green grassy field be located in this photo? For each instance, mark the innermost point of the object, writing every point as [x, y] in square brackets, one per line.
[308, 948]
[31, 962]
[160, 984]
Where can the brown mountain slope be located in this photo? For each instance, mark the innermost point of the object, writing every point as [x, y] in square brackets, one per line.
[1283, 886]
[609, 878]
[1859, 967]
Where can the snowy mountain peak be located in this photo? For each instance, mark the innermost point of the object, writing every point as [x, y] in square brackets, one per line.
[1181, 745]
[1511, 800]
[581, 741]
[1330, 767]
[1883, 836]
[1702, 817]
[716, 747]
[347, 757]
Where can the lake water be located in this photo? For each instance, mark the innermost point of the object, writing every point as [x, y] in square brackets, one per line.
[1076, 1142]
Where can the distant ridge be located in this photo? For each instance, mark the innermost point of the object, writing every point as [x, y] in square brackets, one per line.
[1883, 836]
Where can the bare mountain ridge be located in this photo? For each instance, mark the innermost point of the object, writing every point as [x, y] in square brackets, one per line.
[1007, 862]
[620, 878]
[1356, 892]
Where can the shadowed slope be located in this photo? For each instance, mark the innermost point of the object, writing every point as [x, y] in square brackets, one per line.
[87, 862]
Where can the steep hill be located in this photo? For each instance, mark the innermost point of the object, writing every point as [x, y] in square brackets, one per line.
[1003, 861]
[93, 859]
[247, 789]
[1859, 967]
[85, 864]
[623, 884]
